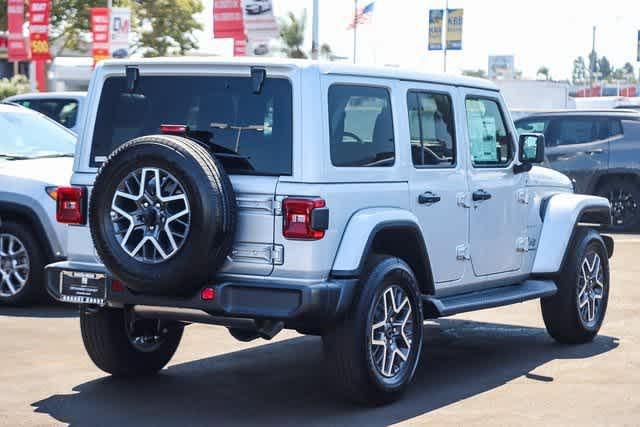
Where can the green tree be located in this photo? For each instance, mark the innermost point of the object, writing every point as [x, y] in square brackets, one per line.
[14, 86]
[475, 73]
[167, 26]
[292, 35]
[628, 69]
[3, 15]
[544, 72]
[160, 27]
[579, 75]
[605, 67]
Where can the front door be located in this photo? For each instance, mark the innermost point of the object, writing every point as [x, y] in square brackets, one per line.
[498, 211]
[437, 177]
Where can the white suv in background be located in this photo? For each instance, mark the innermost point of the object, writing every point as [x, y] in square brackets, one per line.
[36, 156]
[335, 200]
[63, 107]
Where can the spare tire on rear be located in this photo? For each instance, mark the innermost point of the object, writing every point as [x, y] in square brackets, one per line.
[162, 215]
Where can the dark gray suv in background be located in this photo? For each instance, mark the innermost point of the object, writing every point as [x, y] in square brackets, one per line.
[599, 151]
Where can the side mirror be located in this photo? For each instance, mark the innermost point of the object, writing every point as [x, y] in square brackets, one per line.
[531, 148]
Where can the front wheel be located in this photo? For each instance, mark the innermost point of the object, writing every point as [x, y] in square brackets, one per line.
[575, 313]
[123, 347]
[373, 354]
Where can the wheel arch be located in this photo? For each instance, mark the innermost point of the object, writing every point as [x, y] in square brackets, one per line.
[26, 215]
[562, 214]
[395, 232]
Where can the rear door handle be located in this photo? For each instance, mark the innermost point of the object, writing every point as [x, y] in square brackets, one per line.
[428, 198]
[480, 195]
[594, 151]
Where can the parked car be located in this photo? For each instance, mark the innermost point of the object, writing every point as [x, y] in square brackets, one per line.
[340, 201]
[257, 7]
[63, 107]
[599, 151]
[35, 158]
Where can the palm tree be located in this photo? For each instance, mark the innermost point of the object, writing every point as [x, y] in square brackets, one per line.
[292, 35]
[544, 72]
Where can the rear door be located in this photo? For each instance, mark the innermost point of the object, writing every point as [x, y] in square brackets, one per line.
[578, 146]
[251, 134]
[437, 176]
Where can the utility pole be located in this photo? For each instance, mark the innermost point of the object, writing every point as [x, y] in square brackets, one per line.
[355, 29]
[315, 46]
[445, 27]
[593, 59]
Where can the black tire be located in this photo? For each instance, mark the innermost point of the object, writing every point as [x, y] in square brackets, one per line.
[33, 289]
[105, 337]
[624, 196]
[348, 346]
[561, 312]
[212, 215]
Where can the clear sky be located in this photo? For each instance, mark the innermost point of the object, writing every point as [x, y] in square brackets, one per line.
[538, 32]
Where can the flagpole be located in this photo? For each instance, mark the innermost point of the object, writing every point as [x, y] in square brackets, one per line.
[355, 29]
[446, 22]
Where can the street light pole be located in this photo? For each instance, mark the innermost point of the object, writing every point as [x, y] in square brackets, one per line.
[355, 29]
[315, 47]
[445, 27]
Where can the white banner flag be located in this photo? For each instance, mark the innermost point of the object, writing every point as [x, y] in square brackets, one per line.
[119, 27]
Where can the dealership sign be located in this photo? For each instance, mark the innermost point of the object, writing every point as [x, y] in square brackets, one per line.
[454, 29]
[228, 23]
[16, 45]
[119, 26]
[100, 31]
[39, 11]
[435, 29]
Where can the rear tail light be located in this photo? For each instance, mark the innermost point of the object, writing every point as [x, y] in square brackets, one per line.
[305, 219]
[70, 205]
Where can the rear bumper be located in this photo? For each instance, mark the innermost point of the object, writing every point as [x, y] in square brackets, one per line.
[322, 301]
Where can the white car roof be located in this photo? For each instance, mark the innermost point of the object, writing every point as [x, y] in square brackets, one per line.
[47, 95]
[323, 67]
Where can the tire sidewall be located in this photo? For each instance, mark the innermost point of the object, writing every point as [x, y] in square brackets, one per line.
[33, 288]
[589, 241]
[190, 262]
[388, 272]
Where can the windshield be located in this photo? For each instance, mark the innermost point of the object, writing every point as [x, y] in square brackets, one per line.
[27, 135]
[251, 133]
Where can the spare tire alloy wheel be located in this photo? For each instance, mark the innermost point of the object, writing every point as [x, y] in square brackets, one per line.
[150, 215]
[14, 265]
[591, 289]
[391, 332]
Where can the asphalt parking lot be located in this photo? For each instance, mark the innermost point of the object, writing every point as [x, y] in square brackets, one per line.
[492, 367]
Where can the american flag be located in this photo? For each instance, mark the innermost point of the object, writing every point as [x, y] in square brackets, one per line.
[363, 16]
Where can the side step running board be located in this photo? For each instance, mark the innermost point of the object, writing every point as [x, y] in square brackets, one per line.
[487, 298]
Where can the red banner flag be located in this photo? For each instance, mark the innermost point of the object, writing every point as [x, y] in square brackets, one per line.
[228, 23]
[100, 30]
[39, 11]
[17, 47]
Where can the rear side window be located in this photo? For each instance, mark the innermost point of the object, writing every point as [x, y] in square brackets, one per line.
[361, 126]
[252, 133]
[432, 129]
[63, 111]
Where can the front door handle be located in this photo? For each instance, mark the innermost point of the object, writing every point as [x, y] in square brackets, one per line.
[428, 198]
[480, 195]
[594, 151]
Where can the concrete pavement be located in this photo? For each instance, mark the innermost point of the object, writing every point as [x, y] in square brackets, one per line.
[492, 367]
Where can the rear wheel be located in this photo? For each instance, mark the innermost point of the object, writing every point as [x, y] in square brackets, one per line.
[624, 196]
[21, 265]
[372, 355]
[123, 347]
[575, 313]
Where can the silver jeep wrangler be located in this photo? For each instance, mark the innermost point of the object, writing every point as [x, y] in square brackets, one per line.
[335, 200]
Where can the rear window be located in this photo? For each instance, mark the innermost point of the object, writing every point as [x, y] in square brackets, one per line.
[255, 129]
[361, 126]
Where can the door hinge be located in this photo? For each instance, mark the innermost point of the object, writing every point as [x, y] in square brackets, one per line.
[463, 200]
[523, 196]
[522, 244]
[462, 252]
